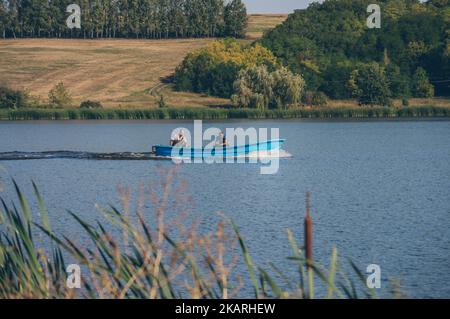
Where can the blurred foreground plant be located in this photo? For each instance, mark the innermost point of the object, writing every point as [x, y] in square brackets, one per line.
[162, 258]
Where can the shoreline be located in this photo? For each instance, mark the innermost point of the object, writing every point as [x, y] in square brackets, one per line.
[347, 114]
[231, 120]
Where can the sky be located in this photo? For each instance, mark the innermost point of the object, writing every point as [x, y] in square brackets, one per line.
[275, 6]
[278, 6]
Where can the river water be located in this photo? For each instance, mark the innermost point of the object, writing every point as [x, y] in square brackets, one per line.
[380, 189]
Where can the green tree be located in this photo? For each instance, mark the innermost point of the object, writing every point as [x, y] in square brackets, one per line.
[369, 84]
[12, 99]
[259, 88]
[13, 18]
[399, 83]
[421, 84]
[35, 17]
[59, 96]
[334, 80]
[439, 3]
[235, 19]
[254, 88]
[178, 21]
[3, 18]
[215, 16]
[287, 88]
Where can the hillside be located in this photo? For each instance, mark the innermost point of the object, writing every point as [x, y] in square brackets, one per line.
[259, 23]
[115, 72]
[328, 42]
[126, 73]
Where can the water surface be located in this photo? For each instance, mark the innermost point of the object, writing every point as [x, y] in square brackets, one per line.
[380, 190]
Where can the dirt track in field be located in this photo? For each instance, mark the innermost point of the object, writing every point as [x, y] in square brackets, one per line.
[115, 72]
[118, 73]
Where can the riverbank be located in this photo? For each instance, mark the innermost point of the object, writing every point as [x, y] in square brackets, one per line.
[223, 114]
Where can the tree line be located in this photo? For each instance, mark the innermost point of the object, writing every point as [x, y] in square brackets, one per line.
[150, 19]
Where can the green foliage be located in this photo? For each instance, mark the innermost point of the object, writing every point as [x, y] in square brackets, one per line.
[254, 88]
[162, 102]
[421, 85]
[332, 80]
[91, 105]
[326, 41]
[3, 18]
[214, 69]
[261, 89]
[399, 83]
[370, 85]
[153, 19]
[59, 96]
[405, 102]
[287, 88]
[438, 3]
[235, 18]
[12, 99]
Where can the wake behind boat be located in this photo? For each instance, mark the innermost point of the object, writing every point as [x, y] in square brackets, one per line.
[247, 150]
[264, 149]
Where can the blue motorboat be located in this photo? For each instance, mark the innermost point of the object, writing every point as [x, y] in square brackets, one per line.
[230, 151]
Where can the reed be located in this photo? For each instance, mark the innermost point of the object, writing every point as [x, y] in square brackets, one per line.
[190, 113]
[149, 260]
[309, 246]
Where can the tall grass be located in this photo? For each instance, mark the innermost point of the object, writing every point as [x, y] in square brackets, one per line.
[150, 261]
[222, 114]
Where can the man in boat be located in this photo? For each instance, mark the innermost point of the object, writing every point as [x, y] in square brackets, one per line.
[178, 140]
[222, 140]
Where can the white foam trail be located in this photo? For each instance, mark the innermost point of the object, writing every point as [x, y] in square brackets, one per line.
[268, 154]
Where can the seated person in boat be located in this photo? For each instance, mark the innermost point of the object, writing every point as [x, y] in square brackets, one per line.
[222, 140]
[178, 140]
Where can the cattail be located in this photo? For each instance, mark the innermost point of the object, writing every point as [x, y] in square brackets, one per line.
[309, 246]
[308, 232]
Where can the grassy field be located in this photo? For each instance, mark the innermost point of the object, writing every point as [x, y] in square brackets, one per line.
[121, 74]
[118, 73]
[259, 23]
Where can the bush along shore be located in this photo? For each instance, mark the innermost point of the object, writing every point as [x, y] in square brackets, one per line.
[222, 114]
